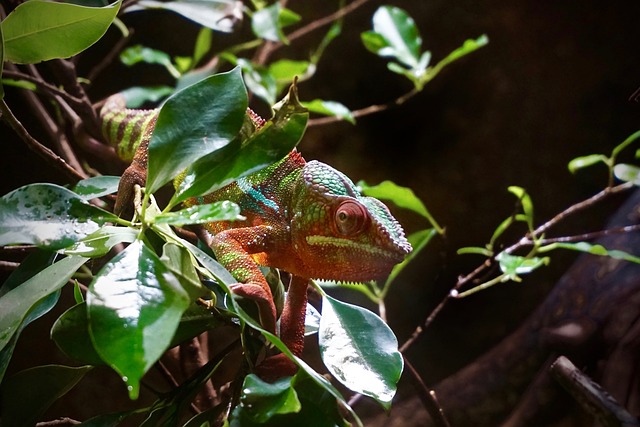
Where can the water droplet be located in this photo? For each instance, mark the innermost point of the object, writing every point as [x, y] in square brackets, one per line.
[125, 378]
[129, 388]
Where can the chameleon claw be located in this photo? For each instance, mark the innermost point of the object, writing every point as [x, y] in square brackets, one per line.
[266, 307]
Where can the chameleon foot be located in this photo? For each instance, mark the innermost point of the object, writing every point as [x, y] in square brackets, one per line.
[266, 307]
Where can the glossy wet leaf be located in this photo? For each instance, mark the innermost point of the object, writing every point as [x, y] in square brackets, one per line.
[134, 306]
[29, 393]
[270, 143]
[260, 400]
[48, 216]
[201, 214]
[100, 242]
[514, 265]
[71, 335]
[267, 23]
[41, 30]
[194, 122]
[19, 301]
[225, 280]
[627, 173]
[34, 263]
[394, 35]
[360, 350]
[219, 15]
[96, 186]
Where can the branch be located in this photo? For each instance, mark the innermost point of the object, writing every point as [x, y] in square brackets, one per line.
[590, 395]
[36, 146]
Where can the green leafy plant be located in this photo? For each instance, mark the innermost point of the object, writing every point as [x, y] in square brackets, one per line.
[140, 287]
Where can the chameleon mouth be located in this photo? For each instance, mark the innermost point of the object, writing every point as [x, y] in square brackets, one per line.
[330, 241]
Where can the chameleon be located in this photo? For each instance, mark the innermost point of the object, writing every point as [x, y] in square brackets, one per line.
[305, 218]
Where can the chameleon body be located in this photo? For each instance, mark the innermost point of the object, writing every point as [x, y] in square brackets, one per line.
[305, 218]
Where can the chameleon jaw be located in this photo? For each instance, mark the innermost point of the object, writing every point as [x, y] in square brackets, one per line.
[332, 241]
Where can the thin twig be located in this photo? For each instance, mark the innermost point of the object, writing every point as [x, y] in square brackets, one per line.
[36, 146]
[42, 85]
[372, 109]
[59, 422]
[428, 397]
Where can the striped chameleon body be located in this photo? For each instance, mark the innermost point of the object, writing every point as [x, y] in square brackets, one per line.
[305, 218]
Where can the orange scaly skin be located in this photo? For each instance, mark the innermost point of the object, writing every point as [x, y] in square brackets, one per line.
[302, 217]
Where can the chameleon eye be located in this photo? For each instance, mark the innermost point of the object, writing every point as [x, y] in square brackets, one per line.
[351, 218]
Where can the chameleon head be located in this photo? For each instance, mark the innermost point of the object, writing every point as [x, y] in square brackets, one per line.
[340, 234]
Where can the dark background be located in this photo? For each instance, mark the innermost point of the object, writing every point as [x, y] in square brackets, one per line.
[554, 83]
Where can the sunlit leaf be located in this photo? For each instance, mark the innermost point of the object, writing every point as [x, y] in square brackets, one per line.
[330, 108]
[525, 201]
[267, 23]
[586, 161]
[200, 214]
[514, 265]
[360, 350]
[41, 30]
[100, 242]
[29, 393]
[181, 136]
[627, 173]
[593, 249]
[97, 186]
[47, 216]
[134, 306]
[219, 15]
[394, 35]
[272, 142]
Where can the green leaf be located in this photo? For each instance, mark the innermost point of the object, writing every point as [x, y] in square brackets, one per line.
[202, 46]
[514, 265]
[267, 23]
[134, 305]
[285, 71]
[219, 15]
[270, 143]
[593, 249]
[360, 350]
[137, 96]
[29, 393]
[225, 280]
[71, 335]
[40, 30]
[28, 268]
[47, 216]
[330, 108]
[394, 35]
[97, 186]
[627, 173]
[526, 202]
[258, 80]
[181, 136]
[260, 400]
[201, 214]
[100, 242]
[18, 302]
[402, 197]
[586, 161]
[136, 54]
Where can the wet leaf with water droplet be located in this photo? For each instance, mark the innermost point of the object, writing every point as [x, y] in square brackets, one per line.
[134, 305]
[360, 350]
[48, 216]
